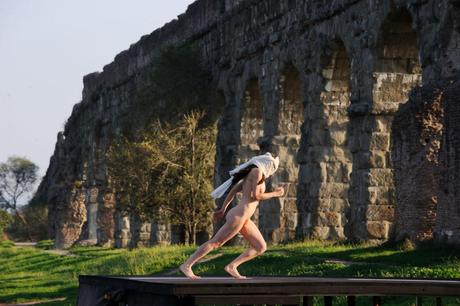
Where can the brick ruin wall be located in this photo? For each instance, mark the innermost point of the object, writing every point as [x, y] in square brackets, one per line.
[357, 97]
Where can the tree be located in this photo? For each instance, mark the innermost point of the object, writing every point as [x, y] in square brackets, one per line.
[5, 220]
[191, 184]
[17, 178]
[168, 169]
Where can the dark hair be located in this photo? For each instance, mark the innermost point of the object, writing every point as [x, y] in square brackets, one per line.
[243, 173]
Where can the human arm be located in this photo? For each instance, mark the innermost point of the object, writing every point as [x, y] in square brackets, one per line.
[255, 176]
[228, 199]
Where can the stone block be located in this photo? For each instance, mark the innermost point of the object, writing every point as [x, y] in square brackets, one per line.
[382, 124]
[377, 159]
[145, 227]
[380, 213]
[385, 108]
[338, 205]
[291, 221]
[385, 195]
[380, 141]
[144, 236]
[377, 229]
[380, 177]
[336, 233]
[329, 218]
[291, 173]
[334, 172]
[290, 205]
[329, 190]
[323, 204]
[319, 232]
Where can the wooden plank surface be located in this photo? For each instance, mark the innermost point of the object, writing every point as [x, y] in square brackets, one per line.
[280, 285]
[248, 299]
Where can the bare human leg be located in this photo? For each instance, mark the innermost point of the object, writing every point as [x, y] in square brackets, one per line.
[258, 246]
[226, 232]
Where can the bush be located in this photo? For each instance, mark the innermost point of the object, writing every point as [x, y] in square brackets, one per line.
[6, 244]
[36, 226]
[5, 220]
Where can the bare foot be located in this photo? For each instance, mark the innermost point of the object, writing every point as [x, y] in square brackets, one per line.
[233, 271]
[187, 270]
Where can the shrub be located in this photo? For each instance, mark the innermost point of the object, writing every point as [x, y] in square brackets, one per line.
[6, 244]
[5, 220]
[35, 226]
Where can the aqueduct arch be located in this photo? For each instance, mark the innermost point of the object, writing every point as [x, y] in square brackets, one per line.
[397, 70]
[278, 216]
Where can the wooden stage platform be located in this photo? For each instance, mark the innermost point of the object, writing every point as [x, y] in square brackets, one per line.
[170, 291]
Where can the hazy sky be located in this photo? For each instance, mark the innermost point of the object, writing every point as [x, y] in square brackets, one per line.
[46, 47]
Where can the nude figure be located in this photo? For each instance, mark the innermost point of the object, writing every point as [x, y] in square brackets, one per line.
[237, 220]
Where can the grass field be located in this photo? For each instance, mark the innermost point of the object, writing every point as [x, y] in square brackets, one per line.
[35, 274]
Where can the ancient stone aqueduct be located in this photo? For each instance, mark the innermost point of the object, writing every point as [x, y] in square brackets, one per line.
[359, 98]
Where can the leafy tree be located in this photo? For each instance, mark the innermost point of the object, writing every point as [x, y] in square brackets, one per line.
[17, 178]
[5, 220]
[168, 169]
[36, 217]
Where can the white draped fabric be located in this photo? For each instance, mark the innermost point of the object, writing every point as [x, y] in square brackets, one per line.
[266, 163]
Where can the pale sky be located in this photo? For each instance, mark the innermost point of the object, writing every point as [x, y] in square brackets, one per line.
[46, 47]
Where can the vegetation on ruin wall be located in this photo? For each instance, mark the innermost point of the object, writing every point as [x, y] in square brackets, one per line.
[177, 82]
[37, 274]
[165, 174]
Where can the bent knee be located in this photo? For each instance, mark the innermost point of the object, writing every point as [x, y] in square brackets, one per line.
[261, 249]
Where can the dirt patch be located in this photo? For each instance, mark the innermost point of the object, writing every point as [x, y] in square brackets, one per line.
[24, 245]
[60, 252]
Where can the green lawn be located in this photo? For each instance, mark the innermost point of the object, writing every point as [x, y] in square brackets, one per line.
[34, 274]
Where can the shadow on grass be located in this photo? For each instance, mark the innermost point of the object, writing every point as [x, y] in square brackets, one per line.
[425, 255]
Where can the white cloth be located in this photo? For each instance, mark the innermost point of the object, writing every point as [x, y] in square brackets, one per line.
[266, 163]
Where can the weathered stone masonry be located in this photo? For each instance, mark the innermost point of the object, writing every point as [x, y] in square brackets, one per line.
[334, 89]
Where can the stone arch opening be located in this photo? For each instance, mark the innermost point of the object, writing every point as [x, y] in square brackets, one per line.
[331, 157]
[397, 70]
[278, 217]
[290, 103]
[251, 128]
